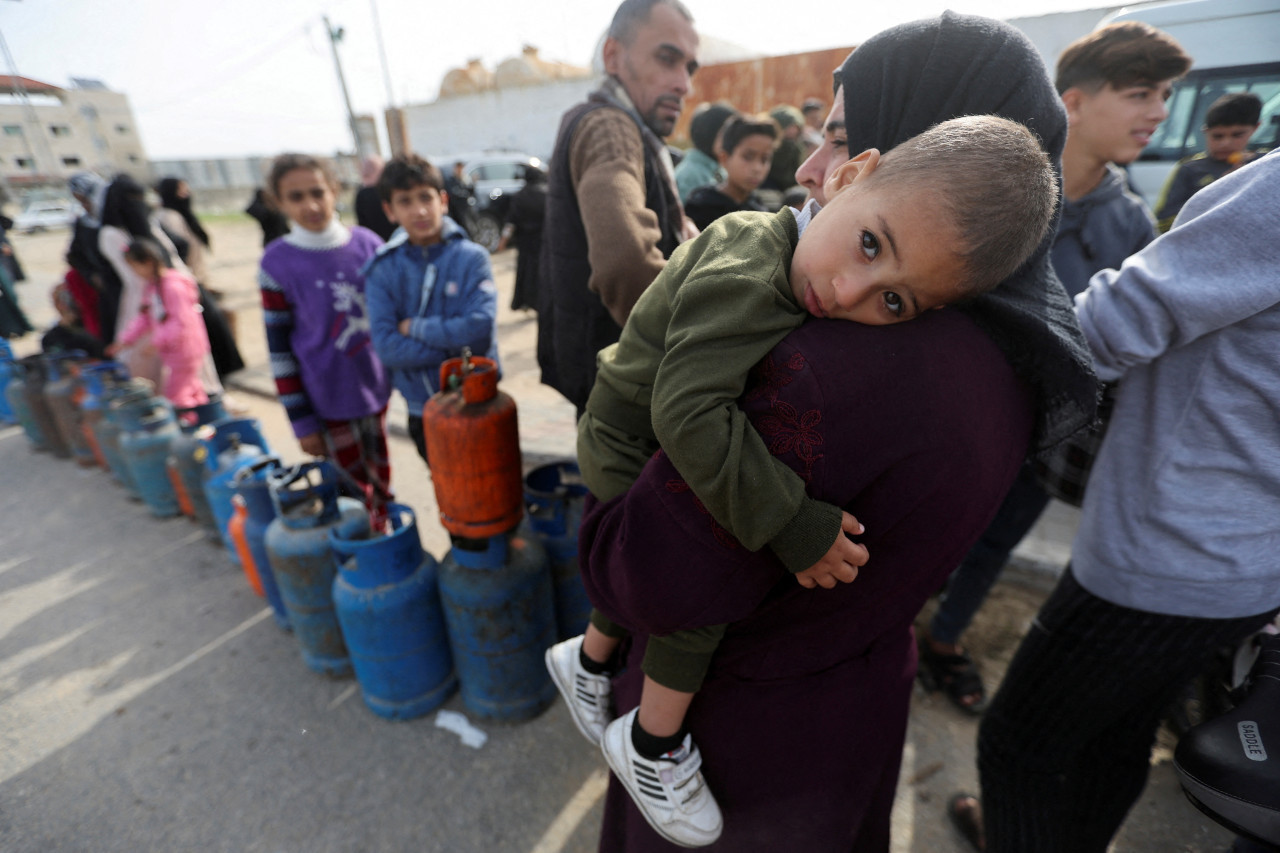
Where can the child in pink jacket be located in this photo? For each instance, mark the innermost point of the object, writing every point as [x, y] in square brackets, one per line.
[170, 314]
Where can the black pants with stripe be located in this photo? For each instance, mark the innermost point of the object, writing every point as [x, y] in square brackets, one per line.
[1064, 749]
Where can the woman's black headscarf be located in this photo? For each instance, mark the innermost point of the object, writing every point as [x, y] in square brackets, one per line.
[907, 79]
[168, 191]
[126, 207]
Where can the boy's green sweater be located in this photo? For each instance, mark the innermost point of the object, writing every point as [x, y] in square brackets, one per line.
[673, 379]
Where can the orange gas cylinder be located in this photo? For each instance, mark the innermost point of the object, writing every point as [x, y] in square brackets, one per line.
[179, 487]
[473, 450]
[235, 529]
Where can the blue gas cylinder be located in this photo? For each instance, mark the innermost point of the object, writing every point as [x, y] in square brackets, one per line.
[387, 598]
[36, 372]
[124, 405]
[63, 395]
[225, 446]
[7, 414]
[186, 458]
[98, 378]
[498, 606]
[553, 497]
[144, 445]
[16, 395]
[250, 482]
[307, 508]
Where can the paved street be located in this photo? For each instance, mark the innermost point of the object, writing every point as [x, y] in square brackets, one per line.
[149, 703]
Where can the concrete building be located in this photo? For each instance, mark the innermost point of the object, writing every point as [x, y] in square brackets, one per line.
[47, 132]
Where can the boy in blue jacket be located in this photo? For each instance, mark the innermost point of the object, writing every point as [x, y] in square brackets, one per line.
[429, 290]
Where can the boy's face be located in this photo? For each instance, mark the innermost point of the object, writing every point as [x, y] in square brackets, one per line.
[1114, 125]
[1224, 140]
[748, 165]
[420, 211]
[873, 255]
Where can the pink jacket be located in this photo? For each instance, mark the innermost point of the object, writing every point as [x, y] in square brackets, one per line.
[170, 313]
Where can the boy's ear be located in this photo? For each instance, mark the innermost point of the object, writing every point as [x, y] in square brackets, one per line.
[386, 209]
[858, 169]
[1071, 100]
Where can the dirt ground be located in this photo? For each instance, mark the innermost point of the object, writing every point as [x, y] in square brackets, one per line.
[939, 759]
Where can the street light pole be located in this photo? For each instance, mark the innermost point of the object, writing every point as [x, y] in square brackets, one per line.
[335, 35]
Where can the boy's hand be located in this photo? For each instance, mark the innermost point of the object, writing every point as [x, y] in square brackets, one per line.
[403, 326]
[840, 563]
[313, 444]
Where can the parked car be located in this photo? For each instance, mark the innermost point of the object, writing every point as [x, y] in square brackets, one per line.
[42, 215]
[497, 175]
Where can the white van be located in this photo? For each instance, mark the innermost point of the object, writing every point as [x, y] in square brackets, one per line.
[1235, 45]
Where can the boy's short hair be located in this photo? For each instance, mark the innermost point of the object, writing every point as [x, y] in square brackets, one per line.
[1120, 55]
[286, 163]
[705, 125]
[406, 172]
[994, 182]
[1233, 109]
[739, 127]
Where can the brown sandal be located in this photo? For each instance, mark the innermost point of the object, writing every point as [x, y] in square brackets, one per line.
[965, 812]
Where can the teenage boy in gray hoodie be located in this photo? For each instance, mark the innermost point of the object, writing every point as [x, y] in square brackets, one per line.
[1114, 83]
[1175, 556]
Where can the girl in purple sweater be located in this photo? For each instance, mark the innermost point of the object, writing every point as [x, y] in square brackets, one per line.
[329, 379]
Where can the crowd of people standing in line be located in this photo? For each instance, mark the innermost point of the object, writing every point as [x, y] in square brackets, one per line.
[797, 420]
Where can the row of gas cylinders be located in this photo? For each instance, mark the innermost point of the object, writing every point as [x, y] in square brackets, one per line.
[372, 603]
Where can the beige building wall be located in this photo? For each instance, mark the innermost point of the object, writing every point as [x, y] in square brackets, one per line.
[64, 130]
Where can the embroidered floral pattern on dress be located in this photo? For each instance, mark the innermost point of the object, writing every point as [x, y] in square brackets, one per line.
[677, 486]
[769, 377]
[786, 430]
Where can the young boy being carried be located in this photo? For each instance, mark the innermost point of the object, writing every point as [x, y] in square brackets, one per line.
[943, 217]
[1228, 125]
[429, 289]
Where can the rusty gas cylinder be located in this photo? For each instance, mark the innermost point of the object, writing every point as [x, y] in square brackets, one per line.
[473, 450]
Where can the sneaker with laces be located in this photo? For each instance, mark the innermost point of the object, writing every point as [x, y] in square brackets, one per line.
[670, 792]
[588, 696]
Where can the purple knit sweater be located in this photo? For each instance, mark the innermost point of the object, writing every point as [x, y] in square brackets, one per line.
[313, 305]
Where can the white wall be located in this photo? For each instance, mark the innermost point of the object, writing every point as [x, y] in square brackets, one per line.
[522, 119]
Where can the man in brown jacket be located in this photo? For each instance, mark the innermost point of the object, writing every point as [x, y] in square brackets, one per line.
[613, 212]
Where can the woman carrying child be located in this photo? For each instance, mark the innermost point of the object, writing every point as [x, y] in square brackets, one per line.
[330, 381]
[168, 321]
[917, 429]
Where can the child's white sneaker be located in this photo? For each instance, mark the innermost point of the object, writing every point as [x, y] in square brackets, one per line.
[588, 696]
[670, 792]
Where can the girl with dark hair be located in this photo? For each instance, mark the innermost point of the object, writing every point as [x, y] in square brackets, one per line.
[180, 223]
[168, 322]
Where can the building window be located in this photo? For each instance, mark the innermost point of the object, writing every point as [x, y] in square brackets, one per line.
[24, 162]
[133, 158]
[13, 130]
[122, 128]
[59, 130]
[71, 161]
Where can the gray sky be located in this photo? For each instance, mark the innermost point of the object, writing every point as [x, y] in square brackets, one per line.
[237, 77]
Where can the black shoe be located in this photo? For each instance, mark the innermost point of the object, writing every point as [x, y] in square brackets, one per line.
[1230, 766]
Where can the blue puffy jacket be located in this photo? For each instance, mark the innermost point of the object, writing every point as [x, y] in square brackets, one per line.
[448, 291]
